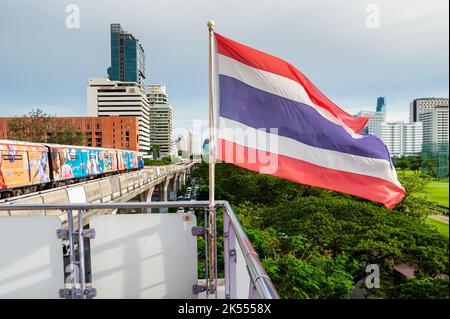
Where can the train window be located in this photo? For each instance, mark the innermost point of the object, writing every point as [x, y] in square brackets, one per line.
[12, 157]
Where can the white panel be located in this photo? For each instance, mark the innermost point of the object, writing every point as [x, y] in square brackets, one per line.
[31, 257]
[76, 194]
[242, 275]
[144, 256]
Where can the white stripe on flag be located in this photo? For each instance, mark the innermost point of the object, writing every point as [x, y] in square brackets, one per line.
[275, 84]
[236, 132]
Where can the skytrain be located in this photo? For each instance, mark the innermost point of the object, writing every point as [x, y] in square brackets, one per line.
[27, 167]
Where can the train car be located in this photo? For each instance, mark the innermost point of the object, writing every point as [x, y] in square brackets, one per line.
[69, 162]
[140, 159]
[23, 164]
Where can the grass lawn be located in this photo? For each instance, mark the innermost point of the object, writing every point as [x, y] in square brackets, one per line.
[436, 191]
[441, 226]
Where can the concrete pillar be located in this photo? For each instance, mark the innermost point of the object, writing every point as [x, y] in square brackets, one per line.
[184, 178]
[172, 187]
[146, 197]
[164, 192]
[180, 181]
[165, 185]
[175, 183]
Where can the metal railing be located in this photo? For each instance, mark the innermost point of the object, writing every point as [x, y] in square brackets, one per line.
[260, 284]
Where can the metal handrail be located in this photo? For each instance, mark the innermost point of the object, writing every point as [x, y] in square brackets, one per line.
[258, 275]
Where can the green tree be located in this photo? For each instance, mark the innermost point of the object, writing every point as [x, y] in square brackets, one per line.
[32, 127]
[154, 151]
[40, 127]
[313, 243]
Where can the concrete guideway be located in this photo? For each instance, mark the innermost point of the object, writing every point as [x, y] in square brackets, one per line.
[117, 188]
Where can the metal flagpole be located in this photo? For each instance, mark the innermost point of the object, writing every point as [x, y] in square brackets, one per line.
[212, 210]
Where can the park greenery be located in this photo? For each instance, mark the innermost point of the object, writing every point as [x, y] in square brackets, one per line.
[164, 161]
[316, 243]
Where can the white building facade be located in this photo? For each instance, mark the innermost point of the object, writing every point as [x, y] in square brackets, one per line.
[189, 144]
[401, 139]
[392, 136]
[115, 98]
[412, 138]
[375, 118]
[435, 125]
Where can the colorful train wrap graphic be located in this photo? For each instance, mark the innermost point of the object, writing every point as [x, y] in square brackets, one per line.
[26, 164]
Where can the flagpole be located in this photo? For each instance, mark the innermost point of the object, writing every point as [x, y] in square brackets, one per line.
[212, 210]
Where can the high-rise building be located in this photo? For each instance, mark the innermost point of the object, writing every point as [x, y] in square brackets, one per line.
[115, 98]
[392, 136]
[435, 127]
[182, 144]
[375, 118]
[161, 118]
[412, 138]
[205, 150]
[195, 143]
[417, 106]
[401, 139]
[127, 57]
[381, 104]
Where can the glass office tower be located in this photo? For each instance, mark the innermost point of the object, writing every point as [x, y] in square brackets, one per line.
[127, 57]
[381, 104]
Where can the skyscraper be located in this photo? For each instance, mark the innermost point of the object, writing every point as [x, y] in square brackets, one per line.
[418, 106]
[160, 118]
[381, 104]
[435, 127]
[127, 57]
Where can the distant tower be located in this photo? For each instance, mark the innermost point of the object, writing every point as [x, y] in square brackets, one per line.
[127, 57]
[381, 104]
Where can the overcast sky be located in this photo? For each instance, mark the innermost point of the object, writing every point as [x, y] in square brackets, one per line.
[45, 64]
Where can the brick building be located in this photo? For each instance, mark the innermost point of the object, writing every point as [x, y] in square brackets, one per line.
[121, 132]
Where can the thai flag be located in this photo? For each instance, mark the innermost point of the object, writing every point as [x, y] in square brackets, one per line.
[273, 120]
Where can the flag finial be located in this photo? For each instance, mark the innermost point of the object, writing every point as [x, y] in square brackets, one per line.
[211, 24]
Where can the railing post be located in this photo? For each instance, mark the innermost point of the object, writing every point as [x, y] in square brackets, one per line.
[81, 253]
[252, 291]
[206, 216]
[73, 276]
[229, 257]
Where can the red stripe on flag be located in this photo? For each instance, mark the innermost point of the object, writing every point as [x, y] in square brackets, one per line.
[270, 63]
[372, 188]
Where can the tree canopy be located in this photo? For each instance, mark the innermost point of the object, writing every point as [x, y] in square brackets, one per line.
[40, 127]
[316, 243]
